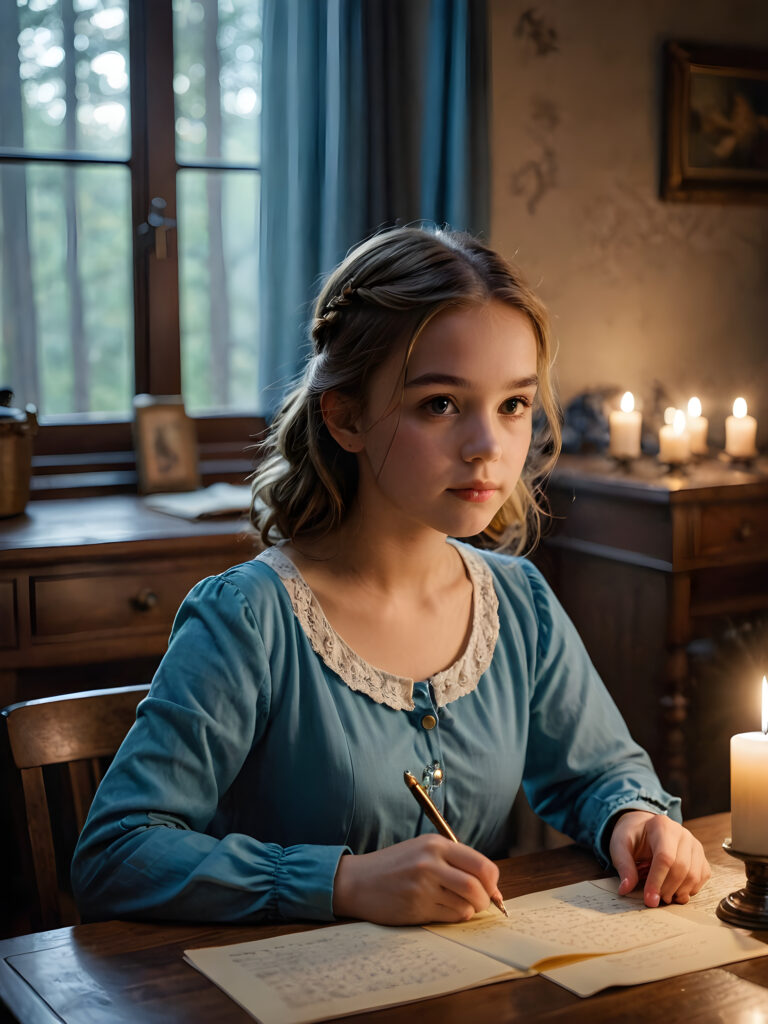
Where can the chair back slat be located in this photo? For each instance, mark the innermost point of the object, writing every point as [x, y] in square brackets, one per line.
[83, 786]
[97, 772]
[41, 842]
[76, 730]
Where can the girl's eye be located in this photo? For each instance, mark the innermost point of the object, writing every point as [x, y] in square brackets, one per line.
[514, 406]
[439, 405]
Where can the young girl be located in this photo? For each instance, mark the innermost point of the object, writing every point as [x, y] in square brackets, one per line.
[263, 778]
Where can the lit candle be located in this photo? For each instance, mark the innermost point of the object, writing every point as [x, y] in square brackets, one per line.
[740, 432]
[674, 443]
[697, 427]
[624, 425]
[749, 788]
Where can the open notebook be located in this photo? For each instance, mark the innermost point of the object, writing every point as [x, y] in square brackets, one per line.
[584, 936]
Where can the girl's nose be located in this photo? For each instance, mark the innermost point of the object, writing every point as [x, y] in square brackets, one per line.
[480, 442]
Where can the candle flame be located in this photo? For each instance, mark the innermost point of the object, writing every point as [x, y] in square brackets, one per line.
[678, 422]
[765, 705]
[627, 402]
[694, 407]
[740, 408]
[669, 414]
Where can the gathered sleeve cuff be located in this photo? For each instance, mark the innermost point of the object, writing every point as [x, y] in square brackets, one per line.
[304, 881]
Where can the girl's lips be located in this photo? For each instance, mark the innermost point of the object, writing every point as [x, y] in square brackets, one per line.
[476, 494]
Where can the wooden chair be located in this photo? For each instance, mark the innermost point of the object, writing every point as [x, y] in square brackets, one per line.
[79, 731]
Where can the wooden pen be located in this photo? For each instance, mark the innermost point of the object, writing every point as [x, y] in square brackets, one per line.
[424, 800]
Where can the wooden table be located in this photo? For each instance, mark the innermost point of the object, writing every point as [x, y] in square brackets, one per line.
[129, 972]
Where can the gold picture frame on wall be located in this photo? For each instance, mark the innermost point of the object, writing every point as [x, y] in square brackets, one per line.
[165, 442]
[715, 124]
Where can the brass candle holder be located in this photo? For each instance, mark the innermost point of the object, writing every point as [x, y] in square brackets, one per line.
[739, 461]
[674, 465]
[623, 462]
[747, 907]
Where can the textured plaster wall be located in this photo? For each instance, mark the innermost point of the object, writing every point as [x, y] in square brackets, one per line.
[639, 289]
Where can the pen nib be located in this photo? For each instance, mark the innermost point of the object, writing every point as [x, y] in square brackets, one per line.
[498, 902]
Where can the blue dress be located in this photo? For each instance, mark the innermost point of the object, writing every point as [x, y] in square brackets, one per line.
[267, 748]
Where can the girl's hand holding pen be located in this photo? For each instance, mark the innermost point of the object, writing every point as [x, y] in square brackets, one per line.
[418, 881]
[429, 878]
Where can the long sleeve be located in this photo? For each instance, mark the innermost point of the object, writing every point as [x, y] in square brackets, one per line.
[582, 766]
[147, 848]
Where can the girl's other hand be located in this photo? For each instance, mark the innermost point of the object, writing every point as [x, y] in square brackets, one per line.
[675, 861]
[418, 881]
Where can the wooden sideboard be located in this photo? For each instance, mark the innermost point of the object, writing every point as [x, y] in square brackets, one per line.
[97, 581]
[653, 566]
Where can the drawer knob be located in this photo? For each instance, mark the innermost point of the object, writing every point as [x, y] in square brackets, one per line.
[145, 600]
[745, 531]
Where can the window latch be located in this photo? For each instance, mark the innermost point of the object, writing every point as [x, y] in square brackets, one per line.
[153, 231]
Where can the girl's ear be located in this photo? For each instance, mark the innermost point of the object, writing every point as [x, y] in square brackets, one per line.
[341, 416]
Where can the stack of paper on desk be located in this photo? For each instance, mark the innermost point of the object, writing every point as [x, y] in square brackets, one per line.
[583, 936]
[216, 500]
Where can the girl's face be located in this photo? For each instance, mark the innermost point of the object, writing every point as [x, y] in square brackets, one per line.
[444, 448]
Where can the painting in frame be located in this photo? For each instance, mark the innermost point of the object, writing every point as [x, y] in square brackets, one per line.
[716, 124]
[165, 441]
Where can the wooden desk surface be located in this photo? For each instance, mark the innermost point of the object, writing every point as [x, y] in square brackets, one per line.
[78, 524]
[121, 971]
[646, 479]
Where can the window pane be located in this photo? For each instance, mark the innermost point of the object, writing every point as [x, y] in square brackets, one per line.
[218, 216]
[64, 76]
[217, 80]
[67, 301]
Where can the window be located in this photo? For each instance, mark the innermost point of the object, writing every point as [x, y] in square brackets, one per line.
[129, 185]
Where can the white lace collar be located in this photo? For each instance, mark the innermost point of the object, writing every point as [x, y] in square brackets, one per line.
[396, 691]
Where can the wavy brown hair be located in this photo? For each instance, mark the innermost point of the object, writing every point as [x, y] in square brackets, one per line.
[382, 295]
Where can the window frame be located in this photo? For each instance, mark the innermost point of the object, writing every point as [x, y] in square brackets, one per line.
[72, 457]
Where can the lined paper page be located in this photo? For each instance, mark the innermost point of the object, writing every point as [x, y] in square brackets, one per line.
[332, 972]
[586, 937]
[580, 919]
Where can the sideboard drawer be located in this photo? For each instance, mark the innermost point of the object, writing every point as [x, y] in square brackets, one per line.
[732, 529]
[144, 599]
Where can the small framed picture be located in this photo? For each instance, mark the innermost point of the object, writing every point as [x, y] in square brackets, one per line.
[165, 441]
[716, 124]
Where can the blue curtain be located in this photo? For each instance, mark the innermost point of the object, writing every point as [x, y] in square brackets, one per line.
[375, 112]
